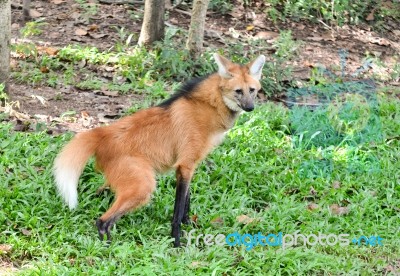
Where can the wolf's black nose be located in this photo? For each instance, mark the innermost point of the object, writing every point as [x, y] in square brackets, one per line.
[248, 108]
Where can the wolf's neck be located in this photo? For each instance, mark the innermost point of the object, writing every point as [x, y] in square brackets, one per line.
[208, 92]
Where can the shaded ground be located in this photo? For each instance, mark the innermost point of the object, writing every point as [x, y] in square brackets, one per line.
[99, 25]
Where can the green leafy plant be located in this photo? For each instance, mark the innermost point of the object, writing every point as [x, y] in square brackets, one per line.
[221, 6]
[33, 28]
[125, 39]
[90, 8]
[3, 94]
[286, 47]
[337, 12]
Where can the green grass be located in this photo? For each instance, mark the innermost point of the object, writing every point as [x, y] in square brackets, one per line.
[258, 171]
[133, 69]
[337, 12]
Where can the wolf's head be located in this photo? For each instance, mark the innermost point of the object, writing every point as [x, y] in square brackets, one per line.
[239, 83]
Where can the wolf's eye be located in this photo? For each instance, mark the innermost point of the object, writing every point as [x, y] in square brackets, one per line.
[239, 91]
[252, 90]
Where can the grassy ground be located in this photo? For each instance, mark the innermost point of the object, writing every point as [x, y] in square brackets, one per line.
[262, 170]
[279, 170]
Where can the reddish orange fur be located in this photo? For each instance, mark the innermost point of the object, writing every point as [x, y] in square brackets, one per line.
[132, 150]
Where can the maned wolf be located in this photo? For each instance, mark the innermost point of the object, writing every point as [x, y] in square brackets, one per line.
[177, 134]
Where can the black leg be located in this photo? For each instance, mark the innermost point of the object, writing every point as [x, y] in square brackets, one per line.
[186, 218]
[104, 227]
[179, 209]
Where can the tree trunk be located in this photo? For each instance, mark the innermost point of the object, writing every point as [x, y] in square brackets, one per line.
[26, 9]
[5, 34]
[196, 31]
[153, 22]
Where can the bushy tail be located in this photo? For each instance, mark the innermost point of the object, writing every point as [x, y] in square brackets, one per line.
[70, 163]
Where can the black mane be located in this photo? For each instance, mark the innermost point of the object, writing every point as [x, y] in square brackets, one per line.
[183, 92]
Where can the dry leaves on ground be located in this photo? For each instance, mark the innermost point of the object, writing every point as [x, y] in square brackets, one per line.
[337, 210]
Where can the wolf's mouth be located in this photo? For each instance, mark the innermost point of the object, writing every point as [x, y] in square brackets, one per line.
[247, 108]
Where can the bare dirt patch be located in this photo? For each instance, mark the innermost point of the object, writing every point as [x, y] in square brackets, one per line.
[98, 25]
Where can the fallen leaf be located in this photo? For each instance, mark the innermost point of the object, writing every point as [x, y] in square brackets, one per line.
[26, 232]
[86, 121]
[18, 115]
[109, 68]
[15, 26]
[396, 32]
[266, 35]
[217, 221]
[259, 22]
[308, 64]
[196, 264]
[51, 51]
[244, 219]
[336, 184]
[80, 32]
[54, 35]
[14, 64]
[97, 36]
[44, 69]
[387, 4]
[390, 268]
[313, 191]
[75, 15]
[213, 34]
[337, 210]
[234, 33]
[34, 13]
[84, 114]
[82, 63]
[57, 2]
[9, 109]
[379, 41]
[312, 206]
[316, 38]
[41, 99]
[237, 12]
[108, 93]
[370, 16]
[324, 37]
[39, 169]
[250, 28]
[194, 218]
[5, 248]
[377, 53]
[300, 27]
[262, 96]
[93, 27]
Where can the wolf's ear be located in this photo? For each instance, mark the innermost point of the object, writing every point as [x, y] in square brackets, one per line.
[223, 64]
[255, 67]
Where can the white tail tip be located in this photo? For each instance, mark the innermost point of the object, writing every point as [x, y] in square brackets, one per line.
[67, 182]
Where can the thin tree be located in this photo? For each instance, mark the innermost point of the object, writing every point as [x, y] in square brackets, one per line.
[196, 30]
[26, 9]
[153, 22]
[5, 34]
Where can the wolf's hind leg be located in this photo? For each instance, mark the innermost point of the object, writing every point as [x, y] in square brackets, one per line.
[133, 182]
